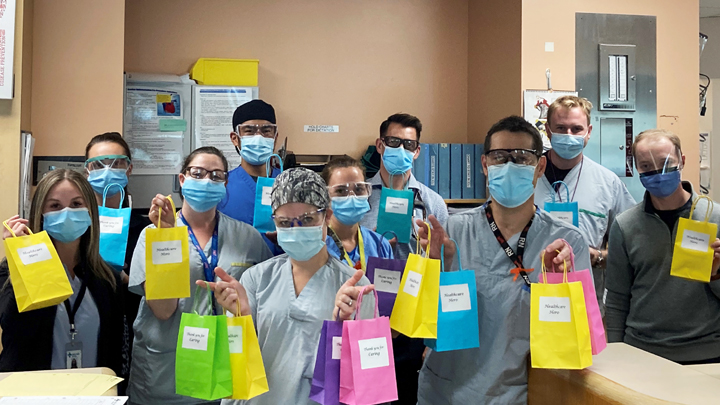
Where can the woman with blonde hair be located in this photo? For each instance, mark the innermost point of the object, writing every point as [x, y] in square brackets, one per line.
[64, 206]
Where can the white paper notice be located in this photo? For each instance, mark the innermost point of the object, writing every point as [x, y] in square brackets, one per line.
[412, 283]
[195, 338]
[396, 205]
[387, 281]
[235, 336]
[566, 216]
[322, 128]
[167, 252]
[373, 353]
[455, 297]
[111, 224]
[266, 193]
[34, 254]
[336, 347]
[554, 309]
[695, 241]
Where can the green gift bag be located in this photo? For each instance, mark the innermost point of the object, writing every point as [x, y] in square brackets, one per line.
[202, 358]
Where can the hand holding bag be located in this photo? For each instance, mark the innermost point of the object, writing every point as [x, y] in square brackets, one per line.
[114, 229]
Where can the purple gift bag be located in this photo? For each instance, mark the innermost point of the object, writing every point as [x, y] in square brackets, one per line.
[325, 387]
[385, 274]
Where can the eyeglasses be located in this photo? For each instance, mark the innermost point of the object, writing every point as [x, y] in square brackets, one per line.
[108, 161]
[393, 142]
[520, 156]
[360, 188]
[313, 218]
[200, 173]
[266, 130]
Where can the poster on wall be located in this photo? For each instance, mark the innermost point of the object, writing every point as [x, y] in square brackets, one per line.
[535, 108]
[7, 47]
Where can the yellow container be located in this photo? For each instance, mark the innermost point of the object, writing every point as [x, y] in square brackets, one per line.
[226, 72]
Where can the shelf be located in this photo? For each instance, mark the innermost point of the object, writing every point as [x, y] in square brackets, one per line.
[468, 201]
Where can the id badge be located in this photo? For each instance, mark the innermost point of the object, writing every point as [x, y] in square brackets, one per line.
[73, 354]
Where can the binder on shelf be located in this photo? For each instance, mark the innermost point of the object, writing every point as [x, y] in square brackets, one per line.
[443, 170]
[420, 165]
[468, 171]
[432, 174]
[479, 174]
[456, 171]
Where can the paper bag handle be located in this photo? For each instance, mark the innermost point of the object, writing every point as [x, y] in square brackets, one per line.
[567, 190]
[417, 242]
[544, 269]
[108, 187]
[210, 300]
[359, 303]
[442, 256]
[174, 210]
[5, 224]
[268, 165]
[709, 209]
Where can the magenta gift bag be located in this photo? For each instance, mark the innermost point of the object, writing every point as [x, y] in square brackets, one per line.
[385, 274]
[597, 330]
[325, 387]
[367, 365]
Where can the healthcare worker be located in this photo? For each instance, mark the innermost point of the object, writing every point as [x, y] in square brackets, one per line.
[254, 135]
[289, 296]
[600, 194]
[214, 240]
[647, 307]
[496, 240]
[349, 193]
[64, 206]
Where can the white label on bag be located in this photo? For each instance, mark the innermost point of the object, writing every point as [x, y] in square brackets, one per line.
[235, 336]
[566, 216]
[111, 224]
[555, 309]
[167, 252]
[266, 192]
[396, 205]
[195, 338]
[336, 347]
[695, 241]
[33, 254]
[373, 353]
[455, 297]
[412, 283]
[387, 281]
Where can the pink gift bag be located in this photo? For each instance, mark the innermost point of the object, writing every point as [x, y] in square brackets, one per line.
[597, 330]
[367, 366]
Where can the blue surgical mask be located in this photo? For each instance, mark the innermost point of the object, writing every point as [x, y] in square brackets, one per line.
[301, 242]
[256, 149]
[99, 179]
[202, 195]
[567, 146]
[661, 184]
[68, 224]
[511, 184]
[351, 209]
[397, 160]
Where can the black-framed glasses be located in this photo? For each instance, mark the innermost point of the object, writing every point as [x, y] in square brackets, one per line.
[520, 156]
[394, 142]
[199, 173]
[266, 130]
[313, 218]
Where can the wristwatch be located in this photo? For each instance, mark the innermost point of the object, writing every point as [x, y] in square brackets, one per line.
[600, 258]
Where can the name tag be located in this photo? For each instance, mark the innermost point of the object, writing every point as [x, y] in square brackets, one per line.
[455, 297]
[695, 241]
[336, 347]
[34, 254]
[412, 283]
[554, 309]
[387, 281]
[195, 338]
[111, 224]
[396, 205]
[566, 216]
[167, 252]
[373, 353]
[266, 192]
[235, 336]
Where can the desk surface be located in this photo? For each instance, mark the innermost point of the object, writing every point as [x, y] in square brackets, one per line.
[95, 370]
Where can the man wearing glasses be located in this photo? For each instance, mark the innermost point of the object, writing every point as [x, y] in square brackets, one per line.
[502, 241]
[254, 135]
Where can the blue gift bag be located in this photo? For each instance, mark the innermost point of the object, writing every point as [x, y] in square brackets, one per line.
[457, 325]
[262, 216]
[565, 211]
[114, 226]
[396, 212]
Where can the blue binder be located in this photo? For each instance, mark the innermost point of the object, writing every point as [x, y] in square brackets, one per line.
[468, 170]
[443, 170]
[420, 165]
[456, 171]
[479, 174]
[432, 174]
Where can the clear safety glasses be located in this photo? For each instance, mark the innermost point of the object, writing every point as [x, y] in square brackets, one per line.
[108, 161]
[266, 130]
[360, 189]
[313, 218]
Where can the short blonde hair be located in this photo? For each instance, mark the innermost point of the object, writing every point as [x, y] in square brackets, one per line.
[655, 134]
[570, 102]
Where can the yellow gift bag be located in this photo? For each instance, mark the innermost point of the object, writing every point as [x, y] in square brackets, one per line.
[38, 277]
[167, 261]
[415, 312]
[692, 256]
[248, 372]
[559, 329]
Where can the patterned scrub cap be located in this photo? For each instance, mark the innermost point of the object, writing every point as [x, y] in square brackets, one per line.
[299, 185]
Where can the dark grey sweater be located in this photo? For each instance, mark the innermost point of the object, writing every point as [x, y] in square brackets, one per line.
[674, 318]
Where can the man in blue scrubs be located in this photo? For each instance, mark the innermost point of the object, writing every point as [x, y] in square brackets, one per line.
[254, 135]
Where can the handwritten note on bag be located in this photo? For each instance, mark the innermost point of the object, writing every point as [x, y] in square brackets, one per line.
[34, 254]
[336, 347]
[387, 281]
[111, 224]
[266, 193]
[455, 297]
[396, 205]
[695, 241]
[373, 353]
[412, 283]
[235, 337]
[195, 338]
[566, 216]
[167, 252]
[554, 309]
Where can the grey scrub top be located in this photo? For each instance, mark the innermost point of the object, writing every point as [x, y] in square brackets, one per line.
[152, 374]
[496, 372]
[288, 326]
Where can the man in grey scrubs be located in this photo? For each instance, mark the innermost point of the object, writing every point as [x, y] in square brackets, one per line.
[502, 242]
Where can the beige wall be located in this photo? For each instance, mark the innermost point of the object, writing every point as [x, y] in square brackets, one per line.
[328, 62]
[677, 56]
[77, 73]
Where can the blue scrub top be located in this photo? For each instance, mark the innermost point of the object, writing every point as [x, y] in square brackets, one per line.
[239, 201]
[375, 246]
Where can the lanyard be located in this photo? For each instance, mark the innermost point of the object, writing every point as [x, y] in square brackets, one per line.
[71, 312]
[361, 249]
[516, 258]
[208, 265]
